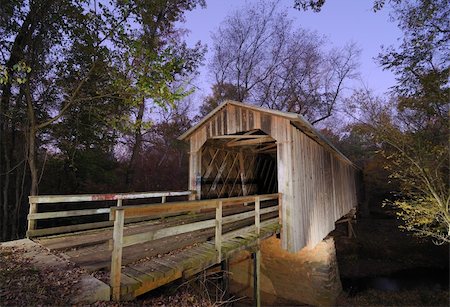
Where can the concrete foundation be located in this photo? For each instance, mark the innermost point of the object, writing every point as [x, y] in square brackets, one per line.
[309, 276]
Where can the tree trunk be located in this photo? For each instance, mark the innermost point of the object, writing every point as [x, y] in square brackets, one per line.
[7, 131]
[31, 141]
[137, 148]
[32, 161]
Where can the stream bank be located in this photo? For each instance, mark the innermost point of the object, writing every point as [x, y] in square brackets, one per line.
[384, 265]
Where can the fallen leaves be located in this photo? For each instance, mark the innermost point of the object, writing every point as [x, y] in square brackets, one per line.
[21, 284]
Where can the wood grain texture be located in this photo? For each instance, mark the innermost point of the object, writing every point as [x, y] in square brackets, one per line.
[316, 182]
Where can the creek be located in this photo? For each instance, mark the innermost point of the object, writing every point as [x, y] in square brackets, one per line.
[410, 279]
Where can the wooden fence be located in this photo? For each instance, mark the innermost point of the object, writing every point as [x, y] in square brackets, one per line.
[103, 205]
[120, 213]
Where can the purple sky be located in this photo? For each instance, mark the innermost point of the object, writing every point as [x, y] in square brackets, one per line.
[340, 20]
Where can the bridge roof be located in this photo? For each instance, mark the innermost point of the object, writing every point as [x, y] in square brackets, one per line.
[296, 119]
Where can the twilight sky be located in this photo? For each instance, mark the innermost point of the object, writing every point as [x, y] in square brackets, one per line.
[340, 21]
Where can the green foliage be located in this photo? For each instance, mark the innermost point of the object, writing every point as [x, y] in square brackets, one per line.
[411, 132]
[417, 136]
[421, 63]
[19, 71]
[78, 80]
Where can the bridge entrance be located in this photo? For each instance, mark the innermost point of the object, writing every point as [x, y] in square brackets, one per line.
[238, 165]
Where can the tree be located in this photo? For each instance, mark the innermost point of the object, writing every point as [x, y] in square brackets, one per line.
[417, 158]
[316, 5]
[412, 131]
[156, 64]
[163, 161]
[419, 135]
[64, 80]
[220, 93]
[271, 64]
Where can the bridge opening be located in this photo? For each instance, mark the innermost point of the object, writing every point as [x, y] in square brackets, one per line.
[238, 165]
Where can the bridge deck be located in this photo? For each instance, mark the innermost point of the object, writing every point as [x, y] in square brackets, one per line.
[148, 265]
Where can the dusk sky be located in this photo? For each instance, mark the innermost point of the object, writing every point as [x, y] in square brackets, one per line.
[340, 21]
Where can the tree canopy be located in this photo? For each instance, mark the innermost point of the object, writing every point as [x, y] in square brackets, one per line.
[78, 77]
[271, 64]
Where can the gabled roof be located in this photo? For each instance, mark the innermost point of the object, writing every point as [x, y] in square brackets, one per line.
[296, 119]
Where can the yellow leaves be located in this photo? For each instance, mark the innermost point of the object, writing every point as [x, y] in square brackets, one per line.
[18, 74]
[424, 215]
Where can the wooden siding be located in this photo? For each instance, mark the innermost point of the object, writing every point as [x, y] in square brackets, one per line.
[324, 190]
[316, 182]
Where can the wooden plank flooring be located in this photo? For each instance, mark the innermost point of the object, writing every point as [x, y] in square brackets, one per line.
[158, 262]
[146, 276]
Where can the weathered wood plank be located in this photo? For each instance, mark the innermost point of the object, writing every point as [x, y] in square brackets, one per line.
[218, 231]
[53, 199]
[166, 232]
[187, 206]
[252, 141]
[59, 214]
[66, 229]
[32, 222]
[147, 286]
[116, 258]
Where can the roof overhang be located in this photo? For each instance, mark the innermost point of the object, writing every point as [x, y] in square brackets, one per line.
[296, 119]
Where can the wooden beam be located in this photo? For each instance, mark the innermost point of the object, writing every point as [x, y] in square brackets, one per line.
[219, 172]
[116, 257]
[51, 199]
[251, 228]
[166, 232]
[186, 206]
[239, 136]
[218, 232]
[242, 173]
[257, 141]
[66, 229]
[257, 277]
[31, 221]
[57, 214]
[268, 148]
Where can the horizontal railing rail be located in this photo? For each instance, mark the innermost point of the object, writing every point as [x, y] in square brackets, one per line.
[120, 213]
[61, 213]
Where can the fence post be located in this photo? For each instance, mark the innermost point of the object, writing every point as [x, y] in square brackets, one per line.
[280, 211]
[163, 199]
[257, 215]
[116, 258]
[257, 255]
[218, 235]
[31, 221]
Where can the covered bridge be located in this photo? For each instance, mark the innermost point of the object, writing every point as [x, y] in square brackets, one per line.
[240, 149]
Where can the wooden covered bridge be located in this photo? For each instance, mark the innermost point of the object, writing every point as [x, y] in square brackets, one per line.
[253, 173]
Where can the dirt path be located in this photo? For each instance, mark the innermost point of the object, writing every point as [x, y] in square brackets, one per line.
[23, 282]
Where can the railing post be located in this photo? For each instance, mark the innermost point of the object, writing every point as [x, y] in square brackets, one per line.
[280, 212]
[116, 258]
[218, 235]
[31, 221]
[257, 255]
[256, 277]
[163, 199]
[198, 186]
[257, 214]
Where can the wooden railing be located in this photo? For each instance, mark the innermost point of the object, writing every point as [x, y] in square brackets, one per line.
[104, 204]
[120, 214]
